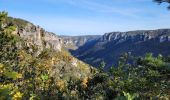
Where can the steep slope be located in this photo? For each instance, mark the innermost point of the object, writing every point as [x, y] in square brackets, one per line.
[75, 42]
[37, 41]
[112, 45]
[33, 62]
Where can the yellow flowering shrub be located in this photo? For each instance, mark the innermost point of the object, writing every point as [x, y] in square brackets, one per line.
[61, 85]
[17, 96]
[84, 82]
[13, 75]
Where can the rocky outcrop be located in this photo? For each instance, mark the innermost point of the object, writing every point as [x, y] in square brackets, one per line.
[35, 35]
[164, 38]
[161, 34]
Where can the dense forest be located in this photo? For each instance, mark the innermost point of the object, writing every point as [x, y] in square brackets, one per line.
[24, 76]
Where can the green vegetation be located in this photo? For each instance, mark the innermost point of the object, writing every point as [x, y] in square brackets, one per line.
[162, 1]
[50, 76]
[26, 76]
[20, 23]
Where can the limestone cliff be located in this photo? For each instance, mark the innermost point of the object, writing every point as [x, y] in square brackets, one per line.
[35, 35]
[160, 34]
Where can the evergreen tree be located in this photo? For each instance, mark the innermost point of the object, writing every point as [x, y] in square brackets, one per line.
[162, 1]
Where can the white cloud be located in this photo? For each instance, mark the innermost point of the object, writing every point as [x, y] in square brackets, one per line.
[99, 7]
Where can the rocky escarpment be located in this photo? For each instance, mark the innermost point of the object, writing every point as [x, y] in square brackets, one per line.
[35, 35]
[160, 34]
[112, 45]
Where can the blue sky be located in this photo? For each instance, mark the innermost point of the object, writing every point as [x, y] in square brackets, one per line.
[87, 17]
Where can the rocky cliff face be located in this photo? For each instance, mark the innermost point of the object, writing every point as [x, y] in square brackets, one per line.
[35, 35]
[161, 35]
[112, 45]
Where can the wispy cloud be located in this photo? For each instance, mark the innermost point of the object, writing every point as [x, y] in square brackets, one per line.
[112, 9]
[98, 6]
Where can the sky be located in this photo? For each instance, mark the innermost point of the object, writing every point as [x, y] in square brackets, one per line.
[89, 17]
